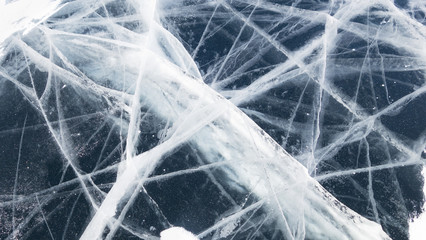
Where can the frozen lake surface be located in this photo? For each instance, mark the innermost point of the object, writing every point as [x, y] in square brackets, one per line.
[211, 119]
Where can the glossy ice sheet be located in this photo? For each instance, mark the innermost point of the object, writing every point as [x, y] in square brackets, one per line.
[232, 119]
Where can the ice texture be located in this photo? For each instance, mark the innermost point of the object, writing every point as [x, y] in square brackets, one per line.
[254, 119]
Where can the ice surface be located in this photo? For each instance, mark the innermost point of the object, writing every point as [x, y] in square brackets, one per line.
[417, 226]
[124, 119]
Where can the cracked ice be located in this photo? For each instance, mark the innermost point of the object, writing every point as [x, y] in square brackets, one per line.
[211, 119]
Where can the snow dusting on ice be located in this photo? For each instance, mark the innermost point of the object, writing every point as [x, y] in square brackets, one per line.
[177, 233]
